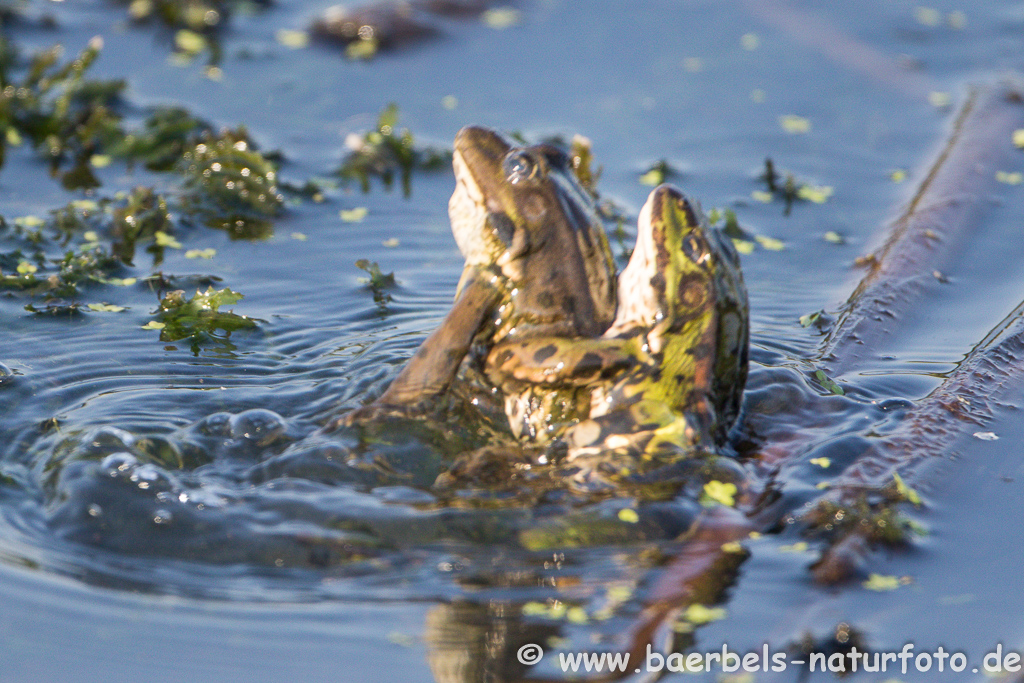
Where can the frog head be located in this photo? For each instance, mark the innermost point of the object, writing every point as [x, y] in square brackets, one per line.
[683, 287]
[521, 213]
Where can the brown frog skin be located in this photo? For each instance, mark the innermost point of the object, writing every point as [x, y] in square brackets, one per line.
[537, 262]
[667, 377]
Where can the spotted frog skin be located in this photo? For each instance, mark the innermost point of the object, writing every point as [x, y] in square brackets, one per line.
[666, 378]
[537, 264]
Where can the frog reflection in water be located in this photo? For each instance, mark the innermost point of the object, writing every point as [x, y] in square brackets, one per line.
[667, 377]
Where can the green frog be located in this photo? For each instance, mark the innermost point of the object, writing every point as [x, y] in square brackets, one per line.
[667, 376]
[537, 264]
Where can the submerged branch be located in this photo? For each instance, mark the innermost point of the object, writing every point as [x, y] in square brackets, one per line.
[945, 209]
[963, 404]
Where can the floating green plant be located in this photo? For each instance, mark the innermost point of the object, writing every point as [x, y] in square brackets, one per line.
[387, 152]
[231, 186]
[197, 319]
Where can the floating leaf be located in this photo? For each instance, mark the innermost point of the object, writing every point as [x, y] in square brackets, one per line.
[906, 493]
[189, 42]
[818, 194]
[577, 615]
[811, 318]
[823, 463]
[629, 515]
[231, 186]
[354, 215]
[762, 196]
[501, 17]
[940, 99]
[770, 243]
[927, 16]
[388, 152]
[1015, 178]
[29, 222]
[719, 492]
[1018, 137]
[898, 176]
[792, 123]
[165, 240]
[698, 614]
[362, 49]
[293, 39]
[985, 436]
[798, 547]
[834, 237]
[201, 253]
[828, 383]
[743, 246]
[299, 236]
[880, 582]
[105, 308]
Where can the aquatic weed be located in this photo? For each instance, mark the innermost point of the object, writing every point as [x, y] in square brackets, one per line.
[67, 118]
[386, 152]
[231, 186]
[197, 319]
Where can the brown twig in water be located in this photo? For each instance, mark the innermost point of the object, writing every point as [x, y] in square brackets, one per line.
[946, 208]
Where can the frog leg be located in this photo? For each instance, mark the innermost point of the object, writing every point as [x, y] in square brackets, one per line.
[563, 361]
[432, 368]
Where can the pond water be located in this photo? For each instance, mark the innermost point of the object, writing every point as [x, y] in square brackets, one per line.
[168, 509]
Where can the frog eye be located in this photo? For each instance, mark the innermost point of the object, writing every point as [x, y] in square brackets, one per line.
[694, 249]
[518, 166]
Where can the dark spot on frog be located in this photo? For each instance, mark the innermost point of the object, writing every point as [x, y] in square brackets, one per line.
[505, 356]
[545, 353]
[589, 363]
[546, 299]
[658, 281]
[701, 351]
